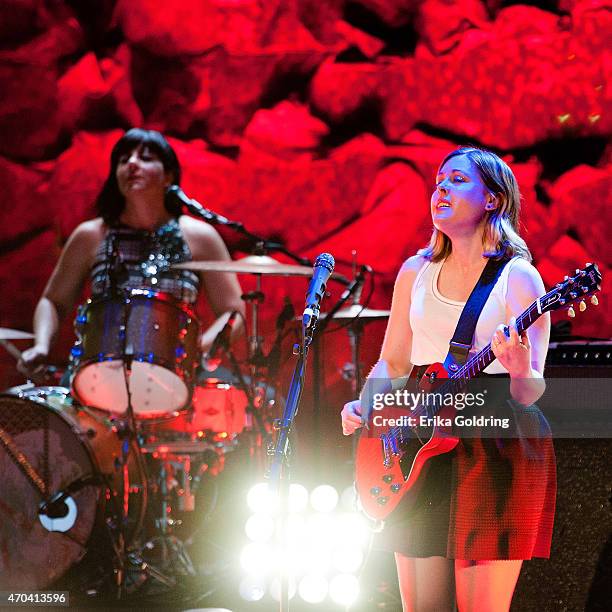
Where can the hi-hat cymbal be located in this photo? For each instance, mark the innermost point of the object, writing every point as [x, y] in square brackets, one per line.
[358, 311]
[253, 264]
[14, 334]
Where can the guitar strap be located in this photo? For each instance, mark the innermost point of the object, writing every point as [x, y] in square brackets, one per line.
[462, 339]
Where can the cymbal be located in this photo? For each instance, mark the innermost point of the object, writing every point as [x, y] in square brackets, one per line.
[14, 334]
[252, 264]
[358, 311]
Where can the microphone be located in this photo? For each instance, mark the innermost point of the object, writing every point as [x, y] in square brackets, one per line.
[193, 206]
[323, 267]
[211, 359]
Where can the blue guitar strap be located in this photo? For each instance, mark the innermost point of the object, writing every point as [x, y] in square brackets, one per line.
[462, 339]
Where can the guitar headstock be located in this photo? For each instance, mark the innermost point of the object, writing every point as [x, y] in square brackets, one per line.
[583, 283]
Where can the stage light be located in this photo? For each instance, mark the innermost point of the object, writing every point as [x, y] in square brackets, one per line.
[348, 499]
[295, 529]
[252, 588]
[275, 588]
[348, 560]
[256, 558]
[315, 558]
[324, 498]
[321, 530]
[261, 499]
[298, 498]
[310, 544]
[259, 527]
[313, 588]
[351, 529]
[344, 589]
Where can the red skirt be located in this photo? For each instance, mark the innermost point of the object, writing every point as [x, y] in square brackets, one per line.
[489, 499]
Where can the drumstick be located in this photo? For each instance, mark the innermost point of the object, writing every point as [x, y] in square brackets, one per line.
[16, 353]
[11, 349]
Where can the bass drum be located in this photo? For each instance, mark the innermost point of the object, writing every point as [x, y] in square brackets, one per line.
[56, 453]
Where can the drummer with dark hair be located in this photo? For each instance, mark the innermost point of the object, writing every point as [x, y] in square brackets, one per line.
[132, 245]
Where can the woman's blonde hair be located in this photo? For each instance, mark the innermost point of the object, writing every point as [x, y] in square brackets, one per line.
[500, 236]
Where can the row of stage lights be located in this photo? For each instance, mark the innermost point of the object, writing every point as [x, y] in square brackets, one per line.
[321, 548]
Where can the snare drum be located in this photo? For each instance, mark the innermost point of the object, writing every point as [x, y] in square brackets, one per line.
[51, 449]
[153, 333]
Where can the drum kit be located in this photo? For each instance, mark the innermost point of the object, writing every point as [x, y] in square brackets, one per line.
[99, 470]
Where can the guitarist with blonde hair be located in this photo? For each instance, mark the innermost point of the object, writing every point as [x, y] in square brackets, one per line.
[487, 505]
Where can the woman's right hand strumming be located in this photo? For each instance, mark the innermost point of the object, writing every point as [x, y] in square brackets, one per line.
[351, 417]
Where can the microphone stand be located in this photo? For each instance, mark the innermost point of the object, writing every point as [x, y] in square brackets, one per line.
[262, 245]
[279, 471]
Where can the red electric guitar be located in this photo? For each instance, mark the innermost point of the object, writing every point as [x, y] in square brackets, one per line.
[388, 464]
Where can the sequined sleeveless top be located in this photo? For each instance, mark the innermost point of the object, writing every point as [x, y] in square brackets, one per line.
[131, 258]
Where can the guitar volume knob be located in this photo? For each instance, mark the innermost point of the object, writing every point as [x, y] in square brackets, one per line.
[382, 500]
[374, 491]
[395, 487]
[387, 478]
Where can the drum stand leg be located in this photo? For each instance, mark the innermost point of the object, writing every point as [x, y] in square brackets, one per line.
[131, 560]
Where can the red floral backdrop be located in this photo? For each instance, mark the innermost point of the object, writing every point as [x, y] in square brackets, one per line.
[317, 123]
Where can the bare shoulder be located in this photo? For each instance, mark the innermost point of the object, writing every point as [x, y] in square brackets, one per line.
[86, 239]
[89, 230]
[410, 269]
[524, 278]
[204, 241]
[413, 264]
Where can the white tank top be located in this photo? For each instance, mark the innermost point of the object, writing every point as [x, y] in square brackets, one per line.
[433, 317]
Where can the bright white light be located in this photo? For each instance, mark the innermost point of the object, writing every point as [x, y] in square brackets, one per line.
[298, 498]
[252, 588]
[324, 498]
[321, 530]
[352, 529]
[261, 499]
[344, 589]
[315, 558]
[255, 558]
[348, 559]
[295, 529]
[348, 499]
[275, 588]
[313, 588]
[259, 527]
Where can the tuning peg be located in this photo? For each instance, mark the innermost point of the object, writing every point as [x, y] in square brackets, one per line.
[573, 295]
[588, 264]
[571, 313]
[594, 300]
[577, 270]
[582, 306]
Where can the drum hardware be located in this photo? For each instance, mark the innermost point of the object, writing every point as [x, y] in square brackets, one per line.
[59, 512]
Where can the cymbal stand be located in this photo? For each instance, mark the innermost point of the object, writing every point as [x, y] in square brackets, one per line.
[351, 292]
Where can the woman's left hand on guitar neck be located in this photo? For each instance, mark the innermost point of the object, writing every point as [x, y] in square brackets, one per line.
[514, 353]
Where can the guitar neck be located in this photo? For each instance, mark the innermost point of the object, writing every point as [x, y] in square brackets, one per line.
[485, 357]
